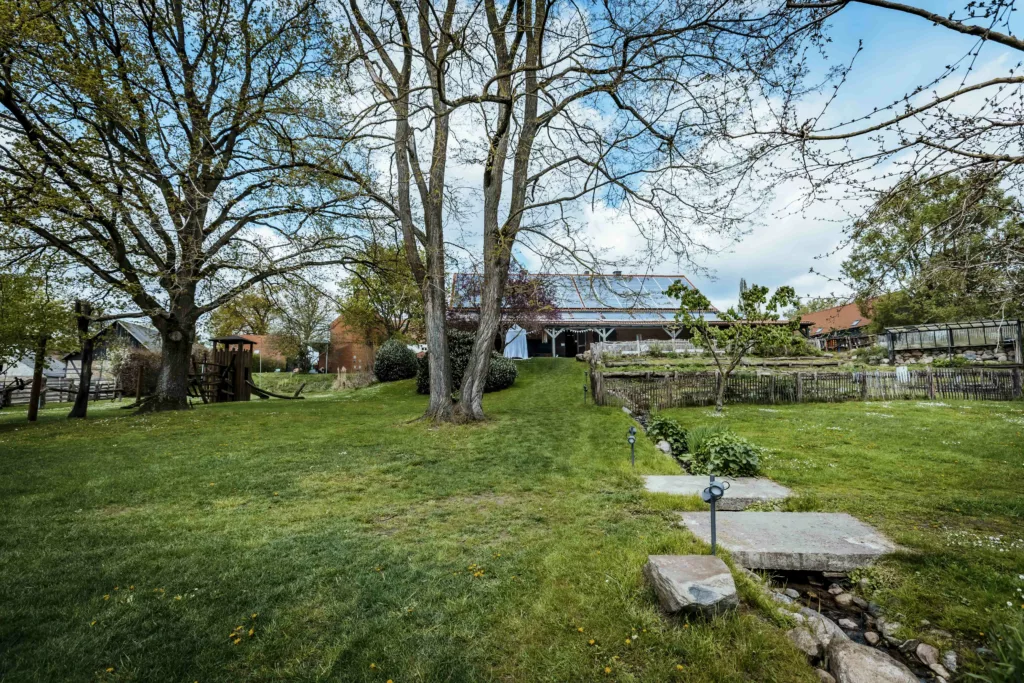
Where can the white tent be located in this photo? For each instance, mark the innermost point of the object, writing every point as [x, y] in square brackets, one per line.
[515, 343]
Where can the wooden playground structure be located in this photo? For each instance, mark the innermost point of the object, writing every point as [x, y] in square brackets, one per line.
[226, 374]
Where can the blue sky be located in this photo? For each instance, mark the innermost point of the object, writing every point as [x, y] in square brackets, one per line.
[900, 53]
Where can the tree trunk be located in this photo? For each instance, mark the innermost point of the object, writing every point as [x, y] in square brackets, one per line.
[84, 311]
[172, 383]
[440, 408]
[471, 395]
[37, 378]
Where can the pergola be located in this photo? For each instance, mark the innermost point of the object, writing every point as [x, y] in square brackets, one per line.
[954, 335]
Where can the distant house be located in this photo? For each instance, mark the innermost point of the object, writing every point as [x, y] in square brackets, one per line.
[838, 328]
[118, 333]
[347, 349]
[590, 308]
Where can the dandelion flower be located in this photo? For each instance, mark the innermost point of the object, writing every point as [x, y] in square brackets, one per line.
[373, 666]
[580, 629]
[237, 641]
[252, 632]
[591, 641]
[106, 597]
[177, 597]
[628, 641]
[110, 669]
[607, 669]
[92, 624]
[254, 615]
[679, 667]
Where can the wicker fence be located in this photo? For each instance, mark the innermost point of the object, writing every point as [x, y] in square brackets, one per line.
[646, 391]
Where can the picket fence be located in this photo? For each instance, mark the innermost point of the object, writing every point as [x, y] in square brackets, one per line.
[647, 391]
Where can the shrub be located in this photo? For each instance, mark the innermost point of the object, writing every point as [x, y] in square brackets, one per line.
[727, 455]
[394, 361]
[661, 428]
[867, 354]
[1007, 665]
[501, 374]
[697, 436]
[126, 367]
[954, 362]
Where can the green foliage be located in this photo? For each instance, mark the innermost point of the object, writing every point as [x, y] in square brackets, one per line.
[381, 299]
[500, 374]
[661, 428]
[394, 361]
[938, 250]
[1008, 664]
[954, 362]
[866, 354]
[31, 309]
[250, 313]
[727, 455]
[697, 437]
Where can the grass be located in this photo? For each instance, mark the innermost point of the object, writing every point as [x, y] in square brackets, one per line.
[353, 543]
[945, 480]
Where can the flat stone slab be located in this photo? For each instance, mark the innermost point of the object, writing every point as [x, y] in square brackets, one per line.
[692, 584]
[743, 491]
[809, 541]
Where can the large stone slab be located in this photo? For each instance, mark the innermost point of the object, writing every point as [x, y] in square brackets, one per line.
[692, 584]
[811, 541]
[743, 491]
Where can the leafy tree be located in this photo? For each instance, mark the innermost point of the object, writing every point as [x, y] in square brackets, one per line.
[34, 319]
[947, 248]
[815, 303]
[303, 321]
[253, 312]
[735, 332]
[173, 150]
[380, 299]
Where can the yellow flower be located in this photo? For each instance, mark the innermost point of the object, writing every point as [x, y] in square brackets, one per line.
[373, 666]
[679, 667]
[607, 669]
[252, 631]
[254, 614]
[131, 588]
[177, 597]
[110, 669]
[628, 641]
[591, 642]
[106, 597]
[580, 629]
[237, 641]
[275, 493]
[92, 624]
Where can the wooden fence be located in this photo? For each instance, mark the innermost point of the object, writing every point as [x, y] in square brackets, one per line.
[57, 390]
[647, 391]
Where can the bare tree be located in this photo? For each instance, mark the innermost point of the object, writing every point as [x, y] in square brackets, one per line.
[960, 120]
[562, 107]
[172, 149]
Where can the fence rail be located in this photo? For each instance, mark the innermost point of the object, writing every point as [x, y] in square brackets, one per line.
[56, 390]
[645, 392]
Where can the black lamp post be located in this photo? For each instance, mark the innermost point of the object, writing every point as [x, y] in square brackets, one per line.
[631, 438]
[711, 495]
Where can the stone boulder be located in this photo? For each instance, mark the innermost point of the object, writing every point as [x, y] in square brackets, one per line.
[665, 447]
[851, 662]
[692, 584]
[805, 641]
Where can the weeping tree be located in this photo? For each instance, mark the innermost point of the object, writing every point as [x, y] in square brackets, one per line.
[172, 149]
[564, 112]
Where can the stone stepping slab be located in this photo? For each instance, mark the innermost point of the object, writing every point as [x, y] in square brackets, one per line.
[743, 491]
[797, 541]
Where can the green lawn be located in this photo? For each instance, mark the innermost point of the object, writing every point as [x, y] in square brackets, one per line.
[354, 543]
[945, 480]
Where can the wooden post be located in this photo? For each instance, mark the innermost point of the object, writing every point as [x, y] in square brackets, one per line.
[799, 387]
[138, 384]
[931, 384]
[1016, 383]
